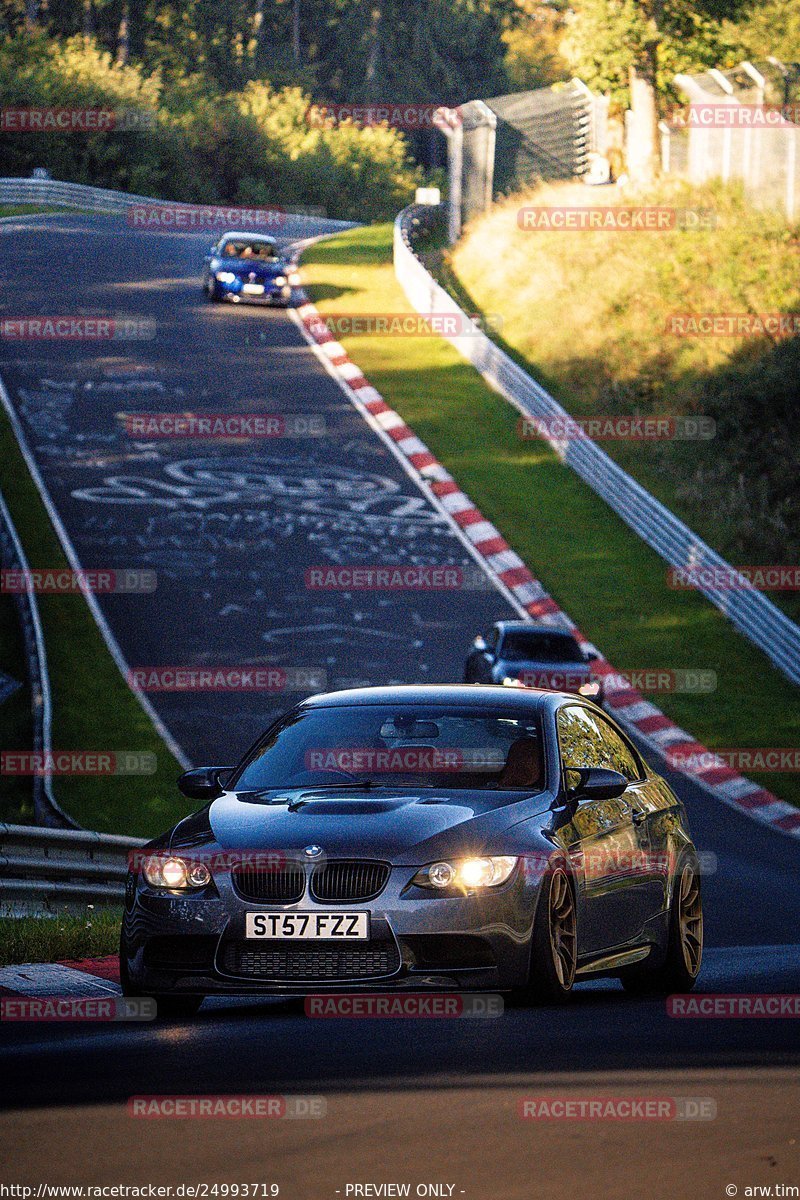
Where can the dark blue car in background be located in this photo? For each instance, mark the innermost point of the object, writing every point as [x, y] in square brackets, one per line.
[243, 266]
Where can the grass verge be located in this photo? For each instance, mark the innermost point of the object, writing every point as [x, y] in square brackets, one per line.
[25, 210]
[91, 934]
[612, 584]
[593, 315]
[93, 707]
[16, 719]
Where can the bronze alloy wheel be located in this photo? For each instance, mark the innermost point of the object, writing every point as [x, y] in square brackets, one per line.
[563, 928]
[690, 918]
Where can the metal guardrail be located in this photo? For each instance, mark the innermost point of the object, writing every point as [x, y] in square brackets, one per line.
[77, 195]
[749, 610]
[104, 200]
[46, 809]
[48, 870]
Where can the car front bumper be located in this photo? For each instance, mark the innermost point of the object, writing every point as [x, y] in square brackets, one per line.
[270, 295]
[177, 944]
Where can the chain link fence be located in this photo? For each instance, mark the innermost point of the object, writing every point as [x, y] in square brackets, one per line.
[501, 145]
[740, 124]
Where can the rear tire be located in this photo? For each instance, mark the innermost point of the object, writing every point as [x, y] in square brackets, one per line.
[554, 945]
[678, 969]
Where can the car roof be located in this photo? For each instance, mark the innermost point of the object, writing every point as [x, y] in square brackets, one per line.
[530, 627]
[251, 235]
[468, 695]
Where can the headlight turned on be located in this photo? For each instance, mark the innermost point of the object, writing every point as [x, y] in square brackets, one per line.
[589, 689]
[467, 874]
[175, 874]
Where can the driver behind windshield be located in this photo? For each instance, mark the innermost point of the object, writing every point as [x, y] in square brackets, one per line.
[261, 250]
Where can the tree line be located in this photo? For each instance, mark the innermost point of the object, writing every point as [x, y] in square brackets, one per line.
[230, 82]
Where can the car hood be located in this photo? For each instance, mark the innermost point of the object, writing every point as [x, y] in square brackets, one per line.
[243, 268]
[404, 827]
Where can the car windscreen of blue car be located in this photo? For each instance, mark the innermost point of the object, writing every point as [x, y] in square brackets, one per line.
[263, 250]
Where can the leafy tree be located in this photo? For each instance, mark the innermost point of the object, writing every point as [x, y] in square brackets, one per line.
[254, 146]
[771, 28]
[438, 51]
[532, 39]
[633, 48]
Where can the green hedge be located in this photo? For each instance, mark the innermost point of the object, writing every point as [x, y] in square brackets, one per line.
[253, 147]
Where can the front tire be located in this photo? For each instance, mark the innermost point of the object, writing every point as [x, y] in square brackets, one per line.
[680, 965]
[554, 946]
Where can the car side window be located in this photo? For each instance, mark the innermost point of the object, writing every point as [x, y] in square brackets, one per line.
[578, 738]
[587, 740]
[617, 754]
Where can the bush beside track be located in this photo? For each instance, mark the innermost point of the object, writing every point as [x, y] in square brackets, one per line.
[256, 147]
[610, 582]
[93, 708]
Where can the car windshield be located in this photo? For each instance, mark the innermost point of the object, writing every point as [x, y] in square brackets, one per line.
[380, 746]
[252, 248]
[540, 647]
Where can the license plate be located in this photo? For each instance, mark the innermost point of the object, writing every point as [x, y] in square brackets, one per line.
[253, 289]
[311, 926]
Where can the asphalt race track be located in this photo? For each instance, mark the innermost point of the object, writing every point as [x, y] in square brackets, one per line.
[231, 529]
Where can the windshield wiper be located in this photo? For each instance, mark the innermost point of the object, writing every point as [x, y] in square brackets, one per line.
[368, 785]
[304, 791]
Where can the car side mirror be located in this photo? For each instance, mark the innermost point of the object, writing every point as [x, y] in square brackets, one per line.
[203, 783]
[594, 783]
